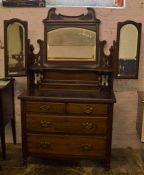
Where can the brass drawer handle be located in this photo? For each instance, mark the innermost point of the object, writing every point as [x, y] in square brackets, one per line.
[88, 109]
[87, 125]
[45, 108]
[86, 147]
[44, 144]
[45, 124]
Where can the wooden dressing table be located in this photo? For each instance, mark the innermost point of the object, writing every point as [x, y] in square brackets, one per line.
[67, 111]
[7, 111]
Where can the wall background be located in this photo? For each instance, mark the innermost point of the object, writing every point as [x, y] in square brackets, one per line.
[124, 132]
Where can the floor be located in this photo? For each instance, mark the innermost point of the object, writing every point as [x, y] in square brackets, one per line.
[123, 162]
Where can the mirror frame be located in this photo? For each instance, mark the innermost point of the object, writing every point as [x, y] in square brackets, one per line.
[120, 25]
[25, 27]
[85, 21]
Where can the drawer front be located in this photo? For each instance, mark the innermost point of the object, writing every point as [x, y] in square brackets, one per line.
[66, 124]
[70, 145]
[87, 109]
[45, 107]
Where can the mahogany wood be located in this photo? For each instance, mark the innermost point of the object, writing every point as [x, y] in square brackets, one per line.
[67, 110]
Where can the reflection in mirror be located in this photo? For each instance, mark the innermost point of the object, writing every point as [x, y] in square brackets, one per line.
[128, 50]
[15, 48]
[129, 47]
[71, 44]
[15, 39]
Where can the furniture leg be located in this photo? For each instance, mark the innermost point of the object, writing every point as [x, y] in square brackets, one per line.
[107, 165]
[13, 130]
[3, 145]
[0, 168]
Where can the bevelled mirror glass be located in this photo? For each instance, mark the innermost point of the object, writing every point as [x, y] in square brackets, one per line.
[71, 40]
[71, 44]
[15, 47]
[128, 49]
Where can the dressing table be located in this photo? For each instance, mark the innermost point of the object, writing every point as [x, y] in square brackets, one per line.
[67, 111]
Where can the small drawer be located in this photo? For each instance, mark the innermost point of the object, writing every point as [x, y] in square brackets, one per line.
[87, 109]
[45, 107]
[68, 145]
[66, 124]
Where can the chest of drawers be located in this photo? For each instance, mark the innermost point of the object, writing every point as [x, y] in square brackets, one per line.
[67, 130]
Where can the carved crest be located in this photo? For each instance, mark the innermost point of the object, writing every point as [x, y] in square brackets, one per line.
[90, 16]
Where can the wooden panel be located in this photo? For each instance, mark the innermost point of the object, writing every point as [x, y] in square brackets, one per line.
[45, 107]
[88, 109]
[71, 75]
[64, 124]
[90, 146]
[70, 85]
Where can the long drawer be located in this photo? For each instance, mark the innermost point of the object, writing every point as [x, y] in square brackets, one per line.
[87, 109]
[44, 145]
[45, 107]
[66, 124]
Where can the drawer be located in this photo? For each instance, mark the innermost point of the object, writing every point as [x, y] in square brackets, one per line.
[45, 107]
[69, 145]
[66, 124]
[88, 109]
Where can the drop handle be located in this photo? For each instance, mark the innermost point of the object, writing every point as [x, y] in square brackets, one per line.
[45, 124]
[88, 109]
[86, 147]
[45, 108]
[87, 125]
[44, 144]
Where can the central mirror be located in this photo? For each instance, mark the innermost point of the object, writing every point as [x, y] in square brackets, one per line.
[71, 40]
[71, 44]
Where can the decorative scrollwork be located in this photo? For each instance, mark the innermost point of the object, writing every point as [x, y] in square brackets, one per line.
[36, 59]
[106, 60]
[38, 78]
[89, 16]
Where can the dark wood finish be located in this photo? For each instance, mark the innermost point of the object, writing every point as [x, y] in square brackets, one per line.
[120, 25]
[63, 124]
[65, 145]
[45, 107]
[87, 109]
[24, 24]
[7, 112]
[67, 110]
